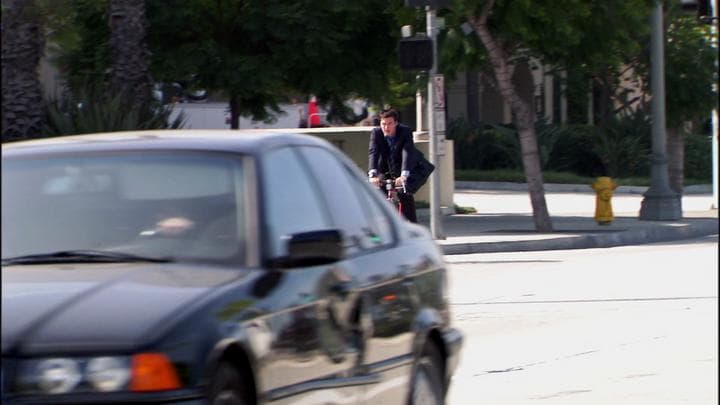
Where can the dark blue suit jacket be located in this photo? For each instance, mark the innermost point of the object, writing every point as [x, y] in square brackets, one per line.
[402, 156]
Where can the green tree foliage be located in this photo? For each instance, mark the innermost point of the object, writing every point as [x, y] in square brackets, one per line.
[690, 86]
[690, 69]
[99, 48]
[79, 36]
[580, 34]
[257, 52]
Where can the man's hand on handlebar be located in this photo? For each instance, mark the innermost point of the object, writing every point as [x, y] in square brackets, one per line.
[377, 180]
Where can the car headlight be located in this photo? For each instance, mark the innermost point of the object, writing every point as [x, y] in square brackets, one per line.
[141, 372]
[57, 376]
[108, 373]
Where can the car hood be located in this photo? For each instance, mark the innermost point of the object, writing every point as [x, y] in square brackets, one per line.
[83, 306]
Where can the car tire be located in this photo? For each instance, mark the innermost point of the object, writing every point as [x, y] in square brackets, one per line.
[227, 386]
[427, 385]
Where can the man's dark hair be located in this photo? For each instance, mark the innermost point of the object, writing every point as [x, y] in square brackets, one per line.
[390, 113]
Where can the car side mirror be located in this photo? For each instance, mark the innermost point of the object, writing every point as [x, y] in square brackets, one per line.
[311, 249]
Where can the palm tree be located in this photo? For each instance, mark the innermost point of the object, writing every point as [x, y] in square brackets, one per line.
[23, 41]
[130, 55]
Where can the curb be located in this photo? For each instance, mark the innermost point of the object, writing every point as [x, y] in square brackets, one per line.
[568, 188]
[662, 233]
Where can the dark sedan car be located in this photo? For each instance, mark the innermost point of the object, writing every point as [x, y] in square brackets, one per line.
[213, 266]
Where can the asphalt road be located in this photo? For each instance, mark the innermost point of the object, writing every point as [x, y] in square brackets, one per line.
[626, 325]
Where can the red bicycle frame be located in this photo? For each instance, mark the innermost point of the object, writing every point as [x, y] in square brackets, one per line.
[392, 194]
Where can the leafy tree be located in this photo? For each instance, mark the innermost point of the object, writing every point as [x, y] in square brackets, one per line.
[582, 34]
[23, 43]
[690, 80]
[79, 36]
[99, 48]
[259, 52]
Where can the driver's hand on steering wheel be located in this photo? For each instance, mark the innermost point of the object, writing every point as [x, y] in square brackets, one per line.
[173, 226]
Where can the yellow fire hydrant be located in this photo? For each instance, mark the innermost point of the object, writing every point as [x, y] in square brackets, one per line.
[604, 187]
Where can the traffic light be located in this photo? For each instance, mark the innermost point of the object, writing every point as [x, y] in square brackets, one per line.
[416, 53]
[701, 8]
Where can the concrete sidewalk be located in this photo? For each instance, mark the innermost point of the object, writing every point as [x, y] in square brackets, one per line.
[504, 222]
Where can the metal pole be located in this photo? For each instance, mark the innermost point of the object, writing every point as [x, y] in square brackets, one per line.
[714, 205]
[435, 218]
[714, 119]
[660, 202]
[418, 111]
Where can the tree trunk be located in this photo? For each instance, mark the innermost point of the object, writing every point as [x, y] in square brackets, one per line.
[524, 120]
[130, 55]
[234, 112]
[473, 96]
[23, 41]
[676, 158]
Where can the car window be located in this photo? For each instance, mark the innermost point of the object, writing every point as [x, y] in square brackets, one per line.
[363, 225]
[377, 212]
[290, 200]
[171, 205]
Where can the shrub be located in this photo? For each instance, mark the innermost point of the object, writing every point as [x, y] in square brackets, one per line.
[93, 110]
[620, 149]
[698, 158]
[623, 145]
[574, 151]
[480, 146]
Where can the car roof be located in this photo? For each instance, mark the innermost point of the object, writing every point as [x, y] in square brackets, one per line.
[250, 142]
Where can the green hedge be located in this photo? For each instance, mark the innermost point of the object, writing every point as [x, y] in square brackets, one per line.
[621, 149]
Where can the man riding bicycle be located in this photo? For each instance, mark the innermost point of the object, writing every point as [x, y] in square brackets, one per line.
[392, 154]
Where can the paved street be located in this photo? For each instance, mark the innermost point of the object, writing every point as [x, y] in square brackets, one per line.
[635, 325]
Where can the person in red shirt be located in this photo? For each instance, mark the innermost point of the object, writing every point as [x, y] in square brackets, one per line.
[313, 112]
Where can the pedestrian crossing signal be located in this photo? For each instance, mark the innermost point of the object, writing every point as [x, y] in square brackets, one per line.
[416, 53]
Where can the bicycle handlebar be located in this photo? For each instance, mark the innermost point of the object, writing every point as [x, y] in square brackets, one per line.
[390, 185]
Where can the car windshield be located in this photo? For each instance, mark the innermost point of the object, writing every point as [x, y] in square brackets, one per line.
[154, 206]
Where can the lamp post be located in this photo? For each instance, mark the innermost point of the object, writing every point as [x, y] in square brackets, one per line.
[660, 202]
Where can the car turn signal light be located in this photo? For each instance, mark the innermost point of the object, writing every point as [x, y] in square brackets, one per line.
[153, 372]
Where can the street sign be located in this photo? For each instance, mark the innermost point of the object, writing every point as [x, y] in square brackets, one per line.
[440, 142]
[439, 123]
[439, 89]
[439, 118]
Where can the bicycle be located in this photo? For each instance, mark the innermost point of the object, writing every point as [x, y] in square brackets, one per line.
[395, 194]
[392, 196]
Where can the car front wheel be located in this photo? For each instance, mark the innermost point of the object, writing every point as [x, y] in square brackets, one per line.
[227, 386]
[427, 386]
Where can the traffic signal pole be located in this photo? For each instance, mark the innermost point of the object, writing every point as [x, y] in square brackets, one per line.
[435, 214]
[660, 202]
